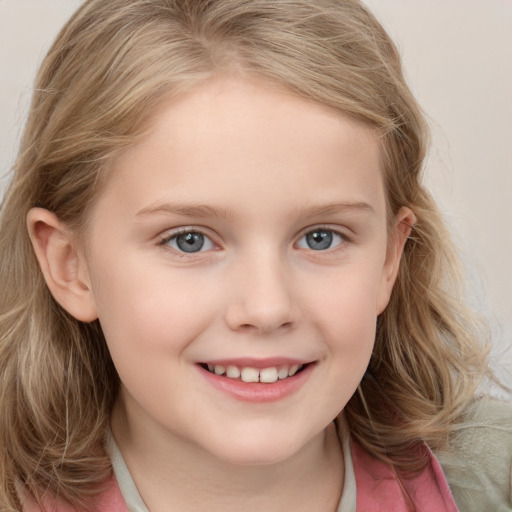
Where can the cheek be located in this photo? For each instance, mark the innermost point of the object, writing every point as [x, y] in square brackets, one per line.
[139, 301]
[346, 316]
[348, 297]
[148, 325]
[150, 322]
[348, 332]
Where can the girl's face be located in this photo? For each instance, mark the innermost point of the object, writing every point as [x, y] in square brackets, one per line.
[243, 236]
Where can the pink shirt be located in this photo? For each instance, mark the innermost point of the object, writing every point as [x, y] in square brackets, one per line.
[378, 489]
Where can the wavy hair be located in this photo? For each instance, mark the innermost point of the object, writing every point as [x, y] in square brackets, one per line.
[108, 71]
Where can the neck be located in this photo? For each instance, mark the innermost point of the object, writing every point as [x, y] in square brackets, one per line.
[168, 470]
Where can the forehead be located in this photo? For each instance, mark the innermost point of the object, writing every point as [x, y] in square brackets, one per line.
[228, 138]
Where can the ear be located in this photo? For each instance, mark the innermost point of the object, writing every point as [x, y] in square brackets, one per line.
[402, 227]
[63, 268]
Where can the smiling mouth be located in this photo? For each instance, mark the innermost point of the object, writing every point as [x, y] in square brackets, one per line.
[252, 375]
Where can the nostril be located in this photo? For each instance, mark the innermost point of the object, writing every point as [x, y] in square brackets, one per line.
[248, 328]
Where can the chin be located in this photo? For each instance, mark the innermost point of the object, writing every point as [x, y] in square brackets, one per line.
[261, 451]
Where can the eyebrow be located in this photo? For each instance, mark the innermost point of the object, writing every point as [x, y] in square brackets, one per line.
[206, 211]
[187, 210]
[336, 207]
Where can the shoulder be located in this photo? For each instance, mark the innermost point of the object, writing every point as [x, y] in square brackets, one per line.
[478, 463]
[109, 500]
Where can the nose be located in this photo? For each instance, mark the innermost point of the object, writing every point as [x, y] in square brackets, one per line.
[261, 299]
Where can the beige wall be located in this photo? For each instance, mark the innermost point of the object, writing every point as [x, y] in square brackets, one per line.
[458, 56]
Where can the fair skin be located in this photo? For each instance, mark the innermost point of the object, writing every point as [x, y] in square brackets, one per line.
[248, 230]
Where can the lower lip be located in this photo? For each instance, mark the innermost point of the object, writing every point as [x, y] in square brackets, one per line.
[258, 392]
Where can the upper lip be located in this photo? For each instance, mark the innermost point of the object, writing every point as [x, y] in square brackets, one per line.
[248, 362]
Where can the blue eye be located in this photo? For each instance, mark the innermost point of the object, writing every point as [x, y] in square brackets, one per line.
[189, 242]
[320, 240]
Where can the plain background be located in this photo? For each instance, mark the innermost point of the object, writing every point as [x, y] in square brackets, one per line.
[458, 60]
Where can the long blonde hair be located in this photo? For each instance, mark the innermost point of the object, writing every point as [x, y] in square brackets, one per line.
[108, 71]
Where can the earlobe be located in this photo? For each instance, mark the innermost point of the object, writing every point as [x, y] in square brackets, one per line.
[403, 225]
[61, 264]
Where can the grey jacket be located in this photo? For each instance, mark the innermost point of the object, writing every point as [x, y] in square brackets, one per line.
[478, 465]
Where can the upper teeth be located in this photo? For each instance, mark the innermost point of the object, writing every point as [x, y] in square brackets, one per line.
[248, 374]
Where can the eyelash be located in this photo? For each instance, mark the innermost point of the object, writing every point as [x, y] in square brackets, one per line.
[165, 241]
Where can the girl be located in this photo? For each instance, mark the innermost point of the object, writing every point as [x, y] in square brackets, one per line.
[224, 284]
